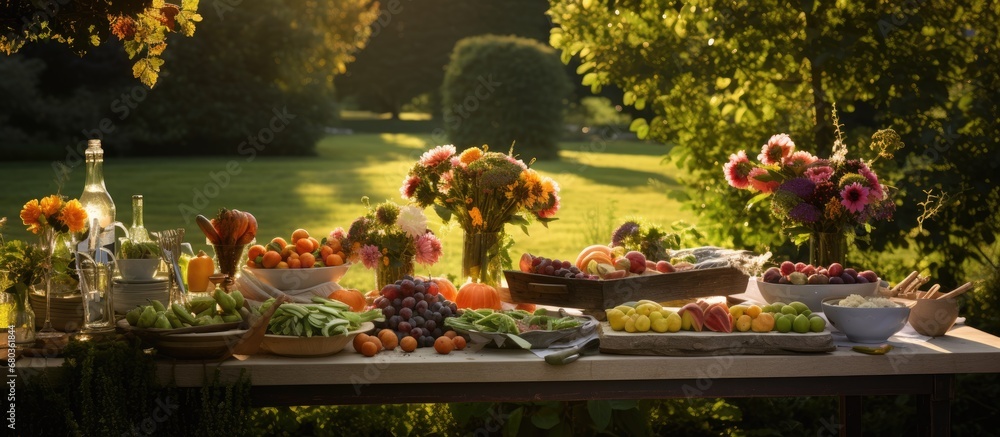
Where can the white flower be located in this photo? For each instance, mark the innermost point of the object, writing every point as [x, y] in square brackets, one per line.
[412, 220]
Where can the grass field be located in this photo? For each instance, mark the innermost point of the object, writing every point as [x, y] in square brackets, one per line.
[602, 183]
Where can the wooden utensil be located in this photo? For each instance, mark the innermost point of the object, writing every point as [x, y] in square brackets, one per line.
[930, 294]
[954, 293]
[901, 286]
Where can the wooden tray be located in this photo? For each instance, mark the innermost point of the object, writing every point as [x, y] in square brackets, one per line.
[598, 295]
[688, 343]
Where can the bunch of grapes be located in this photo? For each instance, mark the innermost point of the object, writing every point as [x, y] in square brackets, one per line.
[414, 308]
[554, 267]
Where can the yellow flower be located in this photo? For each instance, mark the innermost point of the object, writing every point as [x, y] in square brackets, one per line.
[476, 216]
[74, 216]
[533, 186]
[549, 186]
[30, 214]
[385, 261]
[833, 209]
[470, 155]
[50, 205]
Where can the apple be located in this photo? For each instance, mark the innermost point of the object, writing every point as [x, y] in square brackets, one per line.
[638, 261]
[787, 268]
[650, 265]
[836, 269]
[665, 267]
[525, 263]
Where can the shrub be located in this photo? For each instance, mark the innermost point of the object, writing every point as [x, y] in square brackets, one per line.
[499, 90]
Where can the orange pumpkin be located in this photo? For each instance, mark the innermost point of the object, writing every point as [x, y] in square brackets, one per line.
[445, 287]
[529, 307]
[477, 295]
[354, 298]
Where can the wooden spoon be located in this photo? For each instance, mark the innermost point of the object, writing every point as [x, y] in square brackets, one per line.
[954, 293]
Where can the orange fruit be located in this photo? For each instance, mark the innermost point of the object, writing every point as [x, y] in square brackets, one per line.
[388, 338]
[282, 265]
[459, 342]
[333, 260]
[359, 340]
[280, 242]
[374, 339]
[369, 349]
[303, 246]
[408, 344]
[287, 251]
[315, 243]
[334, 245]
[255, 251]
[299, 234]
[294, 263]
[251, 264]
[307, 259]
[444, 345]
[450, 334]
[325, 251]
[271, 259]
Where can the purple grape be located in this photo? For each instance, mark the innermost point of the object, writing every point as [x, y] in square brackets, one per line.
[549, 270]
[567, 264]
[454, 308]
[579, 276]
[418, 296]
[421, 305]
[446, 312]
[430, 324]
[436, 306]
[536, 261]
[438, 318]
[861, 280]
[836, 280]
[848, 279]
[389, 311]
[557, 263]
[852, 272]
[426, 332]
[397, 302]
[418, 321]
[419, 288]
[394, 322]
[409, 302]
[405, 326]
[406, 313]
[416, 332]
[436, 333]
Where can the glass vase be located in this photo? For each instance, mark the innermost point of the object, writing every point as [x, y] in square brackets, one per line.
[388, 274]
[48, 243]
[16, 312]
[826, 248]
[228, 259]
[481, 260]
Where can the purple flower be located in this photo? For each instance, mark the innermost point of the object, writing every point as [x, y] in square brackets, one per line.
[370, 256]
[819, 174]
[626, 230]
[801, 187]
[804, 213]
[876, 188]
[854, 197]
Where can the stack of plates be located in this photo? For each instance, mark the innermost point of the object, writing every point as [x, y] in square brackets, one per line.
[67, 311]
[129, 294]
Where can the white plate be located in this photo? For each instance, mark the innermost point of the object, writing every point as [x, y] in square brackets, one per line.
[154, 280]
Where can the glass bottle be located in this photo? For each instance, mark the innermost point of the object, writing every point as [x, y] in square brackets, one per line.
[95, 198]
[137, 233]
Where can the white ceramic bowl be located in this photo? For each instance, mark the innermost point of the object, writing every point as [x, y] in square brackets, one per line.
[812, 294]
[866, 325]
[138, 269]
[298, 279]
[315, 346]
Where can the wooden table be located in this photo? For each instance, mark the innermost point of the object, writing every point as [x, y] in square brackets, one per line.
[923, 369]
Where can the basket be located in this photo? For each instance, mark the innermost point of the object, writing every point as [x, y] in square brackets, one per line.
[601, 294]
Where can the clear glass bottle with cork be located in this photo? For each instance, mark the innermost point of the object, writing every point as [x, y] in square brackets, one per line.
[95, 198]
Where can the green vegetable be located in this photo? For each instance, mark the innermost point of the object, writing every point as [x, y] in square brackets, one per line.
[133, 250]
[322, 317]
[148, 317]
[506, 322]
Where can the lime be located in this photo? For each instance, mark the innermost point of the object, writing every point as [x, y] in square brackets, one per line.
[800, 324]
[788, 309]
[799, 306]
[783, 324]
[817, 324]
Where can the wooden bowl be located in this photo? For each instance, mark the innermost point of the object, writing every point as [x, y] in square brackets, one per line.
[933, 317]
[316, 346]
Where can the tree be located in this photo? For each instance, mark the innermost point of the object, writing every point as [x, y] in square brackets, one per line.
[723, 77]
[142, 25]
[411, 41]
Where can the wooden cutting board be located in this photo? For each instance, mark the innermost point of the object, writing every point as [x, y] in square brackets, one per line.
[688, 343]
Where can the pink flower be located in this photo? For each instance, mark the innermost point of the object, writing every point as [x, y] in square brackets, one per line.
[854, 197]
[819, 174]
[437, 155]
[370, 256]
[776, 150]
[444, 185]
[737, 170]
[877, 192]
[456, 162]
[409, 187]
[428, 249]
[517, 162]
[759, 185]
[552, 210]
[338, 234]
[800, 159]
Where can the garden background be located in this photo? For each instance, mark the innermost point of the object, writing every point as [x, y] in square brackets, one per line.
[295, 110]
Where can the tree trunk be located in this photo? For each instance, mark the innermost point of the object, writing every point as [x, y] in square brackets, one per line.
[823, 130]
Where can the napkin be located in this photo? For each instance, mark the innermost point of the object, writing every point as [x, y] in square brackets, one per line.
[253, 288]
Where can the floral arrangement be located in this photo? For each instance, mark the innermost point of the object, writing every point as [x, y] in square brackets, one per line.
[483, 190]
[56, 213]
[650, 239]
[390, 235]
[810, 194]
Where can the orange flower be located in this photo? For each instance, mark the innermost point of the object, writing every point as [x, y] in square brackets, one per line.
[30, 214]
[50, 205]
[470, 155]
[74, 216]
[476, 216]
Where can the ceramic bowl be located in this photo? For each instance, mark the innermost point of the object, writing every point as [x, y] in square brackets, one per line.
[933, 317]
[866, 325]
[812, 294]
[138, 269]
[299, 279]
[315, 346]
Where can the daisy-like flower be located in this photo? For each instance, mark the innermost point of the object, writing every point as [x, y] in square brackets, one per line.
[74, 216]
[370, 256]
[476, 216]
[552, 209]
[412, 221]
[50, 205]
[338, 234]
[738, 169]
[409, 188]
[447, 179]
[819, 174]
[30, 213]
[759, 185]
[800, 159]
[428, 249]
[854, 197]
[437, 155]
[470, 155]
[776, 150]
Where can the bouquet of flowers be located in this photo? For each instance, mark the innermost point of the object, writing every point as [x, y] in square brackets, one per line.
[815, 195]
[391, 236]
[55, 213]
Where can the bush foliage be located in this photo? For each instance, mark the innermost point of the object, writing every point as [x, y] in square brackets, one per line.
[501, 90]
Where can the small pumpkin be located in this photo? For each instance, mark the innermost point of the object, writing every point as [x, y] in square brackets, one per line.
[529, 307]
[354, 298]
[445, 287]
[477, 295]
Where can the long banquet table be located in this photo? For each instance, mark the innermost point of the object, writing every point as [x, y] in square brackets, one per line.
[924, 369]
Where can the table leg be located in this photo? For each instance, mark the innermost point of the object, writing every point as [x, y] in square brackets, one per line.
[934, 409]
[850, 416]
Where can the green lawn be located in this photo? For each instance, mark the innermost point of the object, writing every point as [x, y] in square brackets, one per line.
[601, 185]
